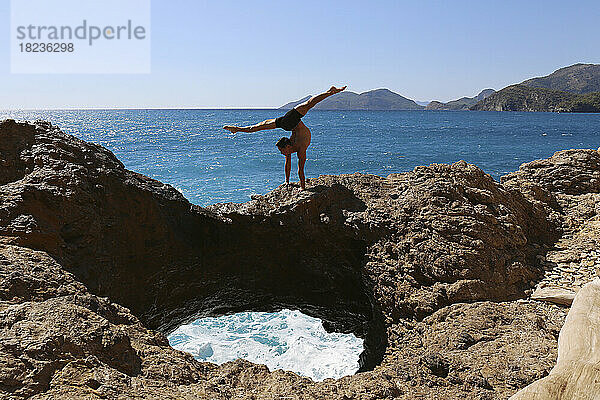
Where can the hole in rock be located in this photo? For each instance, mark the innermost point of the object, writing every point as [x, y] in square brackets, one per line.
[184, 265]
[287, 339]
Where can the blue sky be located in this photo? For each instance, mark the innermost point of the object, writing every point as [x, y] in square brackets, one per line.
[265, 53]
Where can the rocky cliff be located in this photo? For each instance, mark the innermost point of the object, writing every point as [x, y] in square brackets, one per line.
[575, 88]
[433, 267]
[524, 98]
[577, 78]
[533, 99]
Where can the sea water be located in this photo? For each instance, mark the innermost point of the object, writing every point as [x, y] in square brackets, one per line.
[286, 340]
[189, 150]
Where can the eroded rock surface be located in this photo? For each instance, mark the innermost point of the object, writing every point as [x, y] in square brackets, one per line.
[431, 267]
[571, 181]
[575, 375]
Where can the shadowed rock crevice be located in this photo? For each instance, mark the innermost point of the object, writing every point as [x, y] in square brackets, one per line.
[299, 258]
[14, 160]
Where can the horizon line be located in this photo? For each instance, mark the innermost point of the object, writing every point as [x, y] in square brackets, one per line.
[188, 108]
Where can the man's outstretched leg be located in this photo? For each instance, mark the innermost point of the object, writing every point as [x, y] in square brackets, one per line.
[310, 103]
[266, 124]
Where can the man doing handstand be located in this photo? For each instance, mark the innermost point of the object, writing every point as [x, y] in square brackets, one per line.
[299, 141]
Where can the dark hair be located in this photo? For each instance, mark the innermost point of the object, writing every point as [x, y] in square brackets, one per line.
[283, 142]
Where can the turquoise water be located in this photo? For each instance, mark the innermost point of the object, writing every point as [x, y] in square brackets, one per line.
[188, 149]
[286, 340]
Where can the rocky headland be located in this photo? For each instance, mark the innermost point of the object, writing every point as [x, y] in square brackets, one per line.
[533, 99]
[575, 88]
[578, 78]
[437, 269]
[464, 103]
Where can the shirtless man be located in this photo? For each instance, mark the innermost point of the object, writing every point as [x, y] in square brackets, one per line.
[300, 139]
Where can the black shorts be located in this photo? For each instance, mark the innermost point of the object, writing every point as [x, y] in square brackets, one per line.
[289, 121]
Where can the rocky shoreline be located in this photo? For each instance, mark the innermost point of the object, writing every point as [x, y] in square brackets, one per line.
[436, 268]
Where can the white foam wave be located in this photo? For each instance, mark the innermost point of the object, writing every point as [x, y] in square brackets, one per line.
[286, 340]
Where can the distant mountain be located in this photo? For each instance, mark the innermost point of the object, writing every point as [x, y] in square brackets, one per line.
[575, 88]
[464, 103]
[293, 104]
[422, 103]
[378, 99]
[525, 98]
[578, 79]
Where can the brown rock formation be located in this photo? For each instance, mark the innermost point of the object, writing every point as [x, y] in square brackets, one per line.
[428, 266]
[570, 180]
[573, 172]
[575, 375]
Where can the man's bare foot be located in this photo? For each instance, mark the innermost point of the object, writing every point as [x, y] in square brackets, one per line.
[334, 90]
[232, 129]
[292, 185]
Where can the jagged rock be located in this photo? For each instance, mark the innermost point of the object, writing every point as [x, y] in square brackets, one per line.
[49, 322]
[489, 349]
[568, 185]
[571, 172]
[576, 374]
[391, 259]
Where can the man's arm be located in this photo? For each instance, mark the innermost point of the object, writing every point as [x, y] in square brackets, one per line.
[288, 167]
[301, 162]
